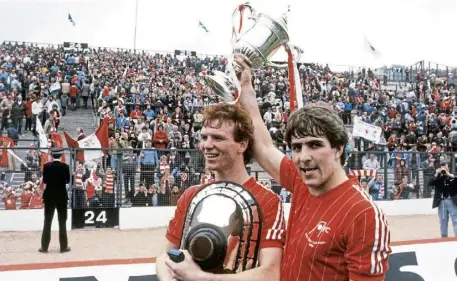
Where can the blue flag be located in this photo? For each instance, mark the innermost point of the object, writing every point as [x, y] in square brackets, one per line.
[200, 24]
[71, 20]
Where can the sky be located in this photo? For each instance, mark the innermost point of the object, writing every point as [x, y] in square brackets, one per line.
[329, 31]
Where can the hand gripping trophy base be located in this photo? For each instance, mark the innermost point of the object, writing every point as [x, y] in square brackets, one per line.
[237, 68]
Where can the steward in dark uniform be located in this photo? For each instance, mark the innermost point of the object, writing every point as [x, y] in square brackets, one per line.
[55, 197]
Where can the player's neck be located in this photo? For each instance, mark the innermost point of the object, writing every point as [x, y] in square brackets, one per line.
[236, 174]
[339, 176]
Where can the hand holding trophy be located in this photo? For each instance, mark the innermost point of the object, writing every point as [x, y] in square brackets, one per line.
[256, 46]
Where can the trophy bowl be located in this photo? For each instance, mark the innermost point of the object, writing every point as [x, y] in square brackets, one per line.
[222, 228]
[262, 40]
[256, 46]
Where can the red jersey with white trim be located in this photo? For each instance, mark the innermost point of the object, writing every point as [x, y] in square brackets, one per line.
[26, 197]
[339, 235]
[273, 225]
[10, 202]
[36, 202]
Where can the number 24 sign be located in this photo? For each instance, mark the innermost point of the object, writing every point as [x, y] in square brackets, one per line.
[95, 217]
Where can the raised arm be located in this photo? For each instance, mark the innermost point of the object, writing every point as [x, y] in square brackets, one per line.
[266, 154]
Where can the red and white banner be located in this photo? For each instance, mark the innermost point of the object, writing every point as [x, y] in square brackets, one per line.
[92, 144]
[367, 131]
[364, 173]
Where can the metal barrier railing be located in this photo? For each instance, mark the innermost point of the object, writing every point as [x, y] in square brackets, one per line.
[150, 177]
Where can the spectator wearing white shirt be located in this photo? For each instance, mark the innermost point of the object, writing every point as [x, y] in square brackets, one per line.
[50, 103]
[268, 117]
[371, 163]
[144, 136]
[65, 88]
[278, 116]
[37, 108]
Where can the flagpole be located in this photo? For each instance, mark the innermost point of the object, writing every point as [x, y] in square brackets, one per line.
[136, 18]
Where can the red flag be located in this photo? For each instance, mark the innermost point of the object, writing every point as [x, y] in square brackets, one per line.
[44, 158]
[57, 142]
[102, 135]
[71, 143]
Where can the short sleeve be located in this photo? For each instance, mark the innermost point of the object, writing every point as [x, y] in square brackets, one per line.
[273, 224]
[289, 176]
[368, 248]
[176, 224]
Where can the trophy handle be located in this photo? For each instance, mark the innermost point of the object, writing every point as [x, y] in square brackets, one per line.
[241, 9]
[299, 51]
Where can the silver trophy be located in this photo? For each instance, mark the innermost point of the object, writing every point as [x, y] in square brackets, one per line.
[256, 46]
[222, 228]
[261, 41]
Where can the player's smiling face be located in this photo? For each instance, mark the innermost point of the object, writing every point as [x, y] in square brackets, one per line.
[219, 147]
[315, 159]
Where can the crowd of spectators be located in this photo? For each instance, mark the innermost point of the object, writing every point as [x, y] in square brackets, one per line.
[418, 128]
[33, 88]
[153, 104]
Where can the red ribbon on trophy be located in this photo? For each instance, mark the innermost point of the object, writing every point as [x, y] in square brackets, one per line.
[295, 89]
[241, 9]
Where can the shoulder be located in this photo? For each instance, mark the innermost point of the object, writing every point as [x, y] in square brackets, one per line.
[264, 196]
[265, 191]
[361, 204]
[189, 193]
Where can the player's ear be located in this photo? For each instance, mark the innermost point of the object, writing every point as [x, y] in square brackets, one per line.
[243, 146]
[339, 150]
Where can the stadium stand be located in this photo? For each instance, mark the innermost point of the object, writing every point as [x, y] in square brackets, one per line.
[153, 102]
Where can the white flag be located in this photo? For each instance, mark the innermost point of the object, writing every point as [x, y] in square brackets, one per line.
[42, 136]
[54, 87]
[91, 141]
[367, 131]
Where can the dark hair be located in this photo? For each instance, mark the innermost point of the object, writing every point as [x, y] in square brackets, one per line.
[233, 114]
[318, 120]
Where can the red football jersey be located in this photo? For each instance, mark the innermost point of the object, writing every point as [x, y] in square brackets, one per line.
[90, 191]
[337, 236]
[26, 197]
[273, 225]
[10, 202]
[36, 202]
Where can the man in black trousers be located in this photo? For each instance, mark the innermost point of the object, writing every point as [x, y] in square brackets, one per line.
[55, 176]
